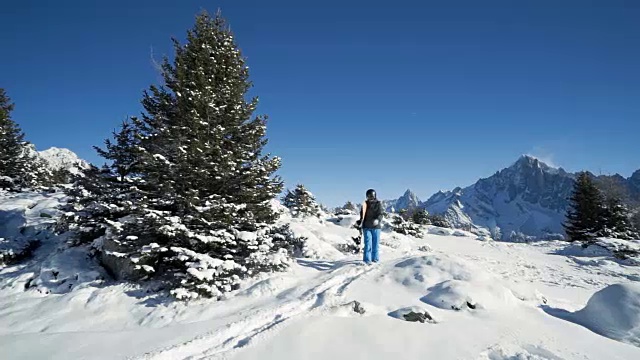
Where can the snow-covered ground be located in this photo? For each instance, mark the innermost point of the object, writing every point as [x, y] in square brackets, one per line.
[487, 300]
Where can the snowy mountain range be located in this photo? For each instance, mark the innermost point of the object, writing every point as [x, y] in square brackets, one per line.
[529, 197]
[59, 158]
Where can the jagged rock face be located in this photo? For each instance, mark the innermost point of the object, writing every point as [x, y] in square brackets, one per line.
[529, 197]
[532, 181]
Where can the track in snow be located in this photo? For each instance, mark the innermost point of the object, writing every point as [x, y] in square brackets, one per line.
[327, 292]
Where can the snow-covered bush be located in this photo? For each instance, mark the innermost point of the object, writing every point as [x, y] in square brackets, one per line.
[621, 249]
[401, 226]
[439, 220]
[348, 208]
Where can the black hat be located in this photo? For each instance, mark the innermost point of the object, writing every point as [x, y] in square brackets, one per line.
[371, 194]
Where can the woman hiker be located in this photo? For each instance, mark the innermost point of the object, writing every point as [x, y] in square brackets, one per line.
[371, 222]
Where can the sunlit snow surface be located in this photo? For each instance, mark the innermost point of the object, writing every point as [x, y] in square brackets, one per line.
[488, 300]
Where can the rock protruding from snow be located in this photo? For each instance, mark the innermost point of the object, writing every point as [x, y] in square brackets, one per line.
[417, 317]
[413, 314]
[357, 307]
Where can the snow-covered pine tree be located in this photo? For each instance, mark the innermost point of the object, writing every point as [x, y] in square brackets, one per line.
[20, 165]
[100, 196]
[585, 216]
[204, 218]
[301, 202]
[12, 160]
[350, 206]
[440, 221]
[617, 220]
[347, 209]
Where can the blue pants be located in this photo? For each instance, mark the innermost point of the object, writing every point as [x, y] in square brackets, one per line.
[371, 242]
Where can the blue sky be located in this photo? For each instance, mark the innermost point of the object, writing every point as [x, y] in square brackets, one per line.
[392, 95]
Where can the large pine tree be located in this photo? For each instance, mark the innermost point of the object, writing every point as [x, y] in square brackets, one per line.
[585, 217]
[199, 213]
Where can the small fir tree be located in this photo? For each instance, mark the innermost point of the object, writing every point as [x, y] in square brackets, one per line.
[585, 216]
[301, 202]
[617, 220]
[350, 206]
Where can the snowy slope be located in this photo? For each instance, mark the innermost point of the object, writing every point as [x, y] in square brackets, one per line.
[58, 158]
[515, 302]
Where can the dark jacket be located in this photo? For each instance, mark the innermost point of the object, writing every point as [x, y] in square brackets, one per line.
[374, 212]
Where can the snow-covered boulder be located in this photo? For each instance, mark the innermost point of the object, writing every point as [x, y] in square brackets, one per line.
[436, 230]
[613, 312]
[462, 233]
[484, 237]
[471, 294]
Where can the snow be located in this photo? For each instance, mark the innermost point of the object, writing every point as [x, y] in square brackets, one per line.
[489, 300]
[529, 197]
[613, 312]
[58, 158]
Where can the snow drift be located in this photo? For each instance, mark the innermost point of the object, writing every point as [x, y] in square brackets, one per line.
[613, 312]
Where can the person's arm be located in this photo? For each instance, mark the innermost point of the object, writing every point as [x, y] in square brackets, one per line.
[378, 214]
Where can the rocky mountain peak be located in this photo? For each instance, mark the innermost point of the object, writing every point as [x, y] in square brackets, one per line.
[60, 158]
